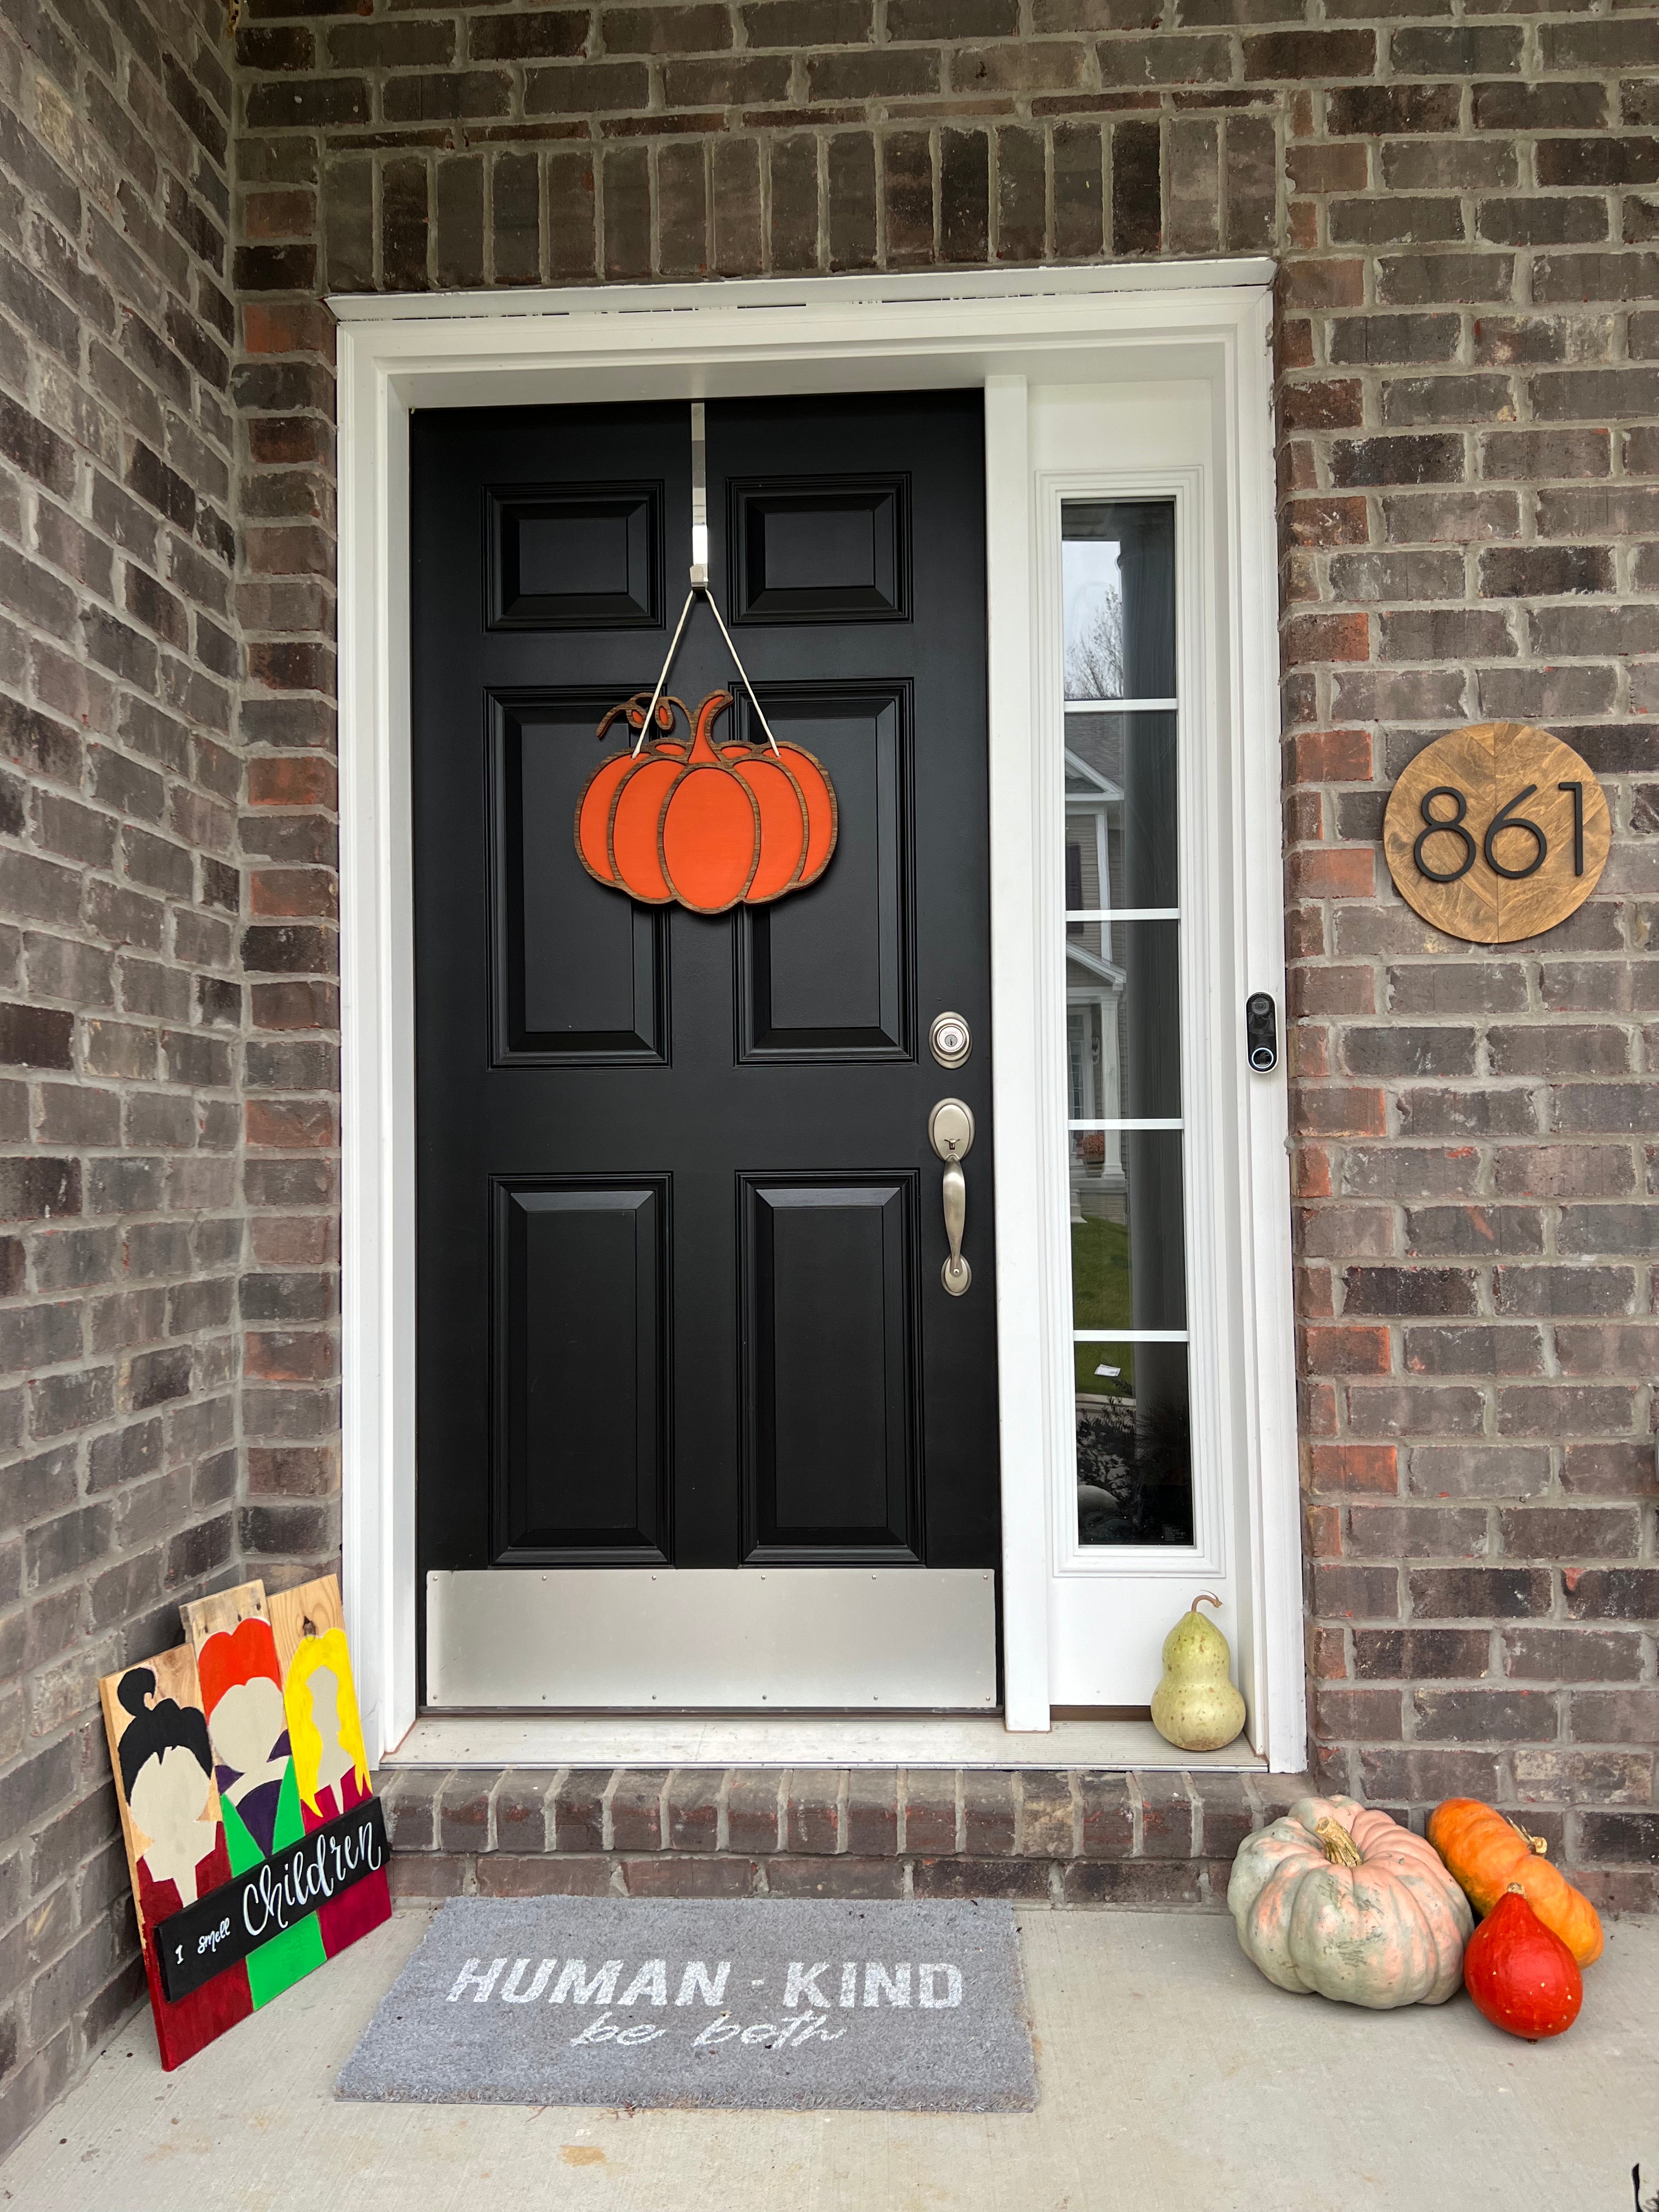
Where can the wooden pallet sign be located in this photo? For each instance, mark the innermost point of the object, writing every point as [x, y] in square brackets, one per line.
[256, 1846]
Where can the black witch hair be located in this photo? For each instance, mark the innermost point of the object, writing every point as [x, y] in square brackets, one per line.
[156, 1729]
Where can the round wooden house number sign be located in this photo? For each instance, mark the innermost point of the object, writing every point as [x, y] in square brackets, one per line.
[1496, 832]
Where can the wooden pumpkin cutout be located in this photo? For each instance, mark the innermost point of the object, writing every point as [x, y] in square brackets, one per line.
[681, 818]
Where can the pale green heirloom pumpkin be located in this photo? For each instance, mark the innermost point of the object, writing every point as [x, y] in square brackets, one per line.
[1343, 1900]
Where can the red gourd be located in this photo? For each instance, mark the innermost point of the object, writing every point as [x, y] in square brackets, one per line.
[1520, 1973]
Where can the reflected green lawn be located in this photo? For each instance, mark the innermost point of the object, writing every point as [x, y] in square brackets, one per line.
[1100, 1299]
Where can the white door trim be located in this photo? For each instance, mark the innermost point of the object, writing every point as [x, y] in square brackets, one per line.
[998, 330]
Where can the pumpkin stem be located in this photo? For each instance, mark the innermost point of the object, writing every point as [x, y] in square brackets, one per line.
[1539, 1845]
[1204, 1597]
[1340, 1848]
[707, 715]
[1513, 1889]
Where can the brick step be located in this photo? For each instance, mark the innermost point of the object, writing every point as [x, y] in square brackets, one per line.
[1041, 1835]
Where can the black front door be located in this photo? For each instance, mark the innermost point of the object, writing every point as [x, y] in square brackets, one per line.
[680, 1225]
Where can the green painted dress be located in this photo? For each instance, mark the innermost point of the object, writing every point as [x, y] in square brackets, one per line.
[288, 1958]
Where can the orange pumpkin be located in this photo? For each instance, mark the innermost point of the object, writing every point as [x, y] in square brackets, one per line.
[818, 798]
[1486, 1853]
[683, 818]
[604, 787]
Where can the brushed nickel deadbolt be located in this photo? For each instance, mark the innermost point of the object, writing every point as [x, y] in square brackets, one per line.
[951, 1039]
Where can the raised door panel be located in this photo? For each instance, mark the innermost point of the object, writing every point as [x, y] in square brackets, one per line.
[579, 1458]
[819, 548]
[831, 1447]
[576, 556]
[548, 1008]
[828, 974]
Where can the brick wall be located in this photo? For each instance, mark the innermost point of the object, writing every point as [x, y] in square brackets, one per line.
[1465, 202]
[120, 1010]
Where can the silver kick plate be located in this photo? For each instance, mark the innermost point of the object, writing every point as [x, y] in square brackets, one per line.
[717, 1638]
[951, 1133]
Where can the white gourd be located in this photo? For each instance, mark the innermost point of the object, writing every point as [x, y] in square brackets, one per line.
[1338, 1899]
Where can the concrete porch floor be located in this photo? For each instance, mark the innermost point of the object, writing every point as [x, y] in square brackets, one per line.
[1173, 2079]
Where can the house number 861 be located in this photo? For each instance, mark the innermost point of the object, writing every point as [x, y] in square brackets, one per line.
[1496, 833]
[1451, 825]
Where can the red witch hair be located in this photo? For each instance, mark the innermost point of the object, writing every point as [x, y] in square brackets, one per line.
[232, 1656]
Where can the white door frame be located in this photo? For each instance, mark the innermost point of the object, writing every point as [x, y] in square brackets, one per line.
[998, 329]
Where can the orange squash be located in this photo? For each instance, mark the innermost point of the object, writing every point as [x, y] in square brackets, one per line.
[1485, 1853]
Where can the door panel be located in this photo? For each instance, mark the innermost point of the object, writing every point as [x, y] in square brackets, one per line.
[610, 1003]
[827, 972]
[835, 550]
[680, 1228]
[576, 557]
[580, 1463]
[832, 1464]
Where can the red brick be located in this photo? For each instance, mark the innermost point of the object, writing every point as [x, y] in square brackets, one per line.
[1308, 638]
[506, 1874]
[966, 1877]
[1332, 872]
[795, 1874]
[1364, 1467]
[1345, 1351]
[1330, 757]
[674, 1873]
[1150, 1885]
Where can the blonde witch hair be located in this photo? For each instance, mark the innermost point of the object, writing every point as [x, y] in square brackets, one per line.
[304, 1737]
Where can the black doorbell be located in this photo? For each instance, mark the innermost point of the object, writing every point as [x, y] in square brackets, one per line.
[1260, 1032]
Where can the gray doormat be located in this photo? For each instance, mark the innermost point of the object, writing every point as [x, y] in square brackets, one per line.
[803, 2005]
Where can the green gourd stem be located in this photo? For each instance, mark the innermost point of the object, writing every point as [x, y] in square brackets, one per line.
[1204, 1597]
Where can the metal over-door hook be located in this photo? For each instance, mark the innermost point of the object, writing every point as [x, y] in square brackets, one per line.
[697, 575]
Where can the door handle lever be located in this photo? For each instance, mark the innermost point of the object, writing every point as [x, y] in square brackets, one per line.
[951, 1133]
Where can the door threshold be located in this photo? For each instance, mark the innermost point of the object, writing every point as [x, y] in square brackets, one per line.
[554, 1740]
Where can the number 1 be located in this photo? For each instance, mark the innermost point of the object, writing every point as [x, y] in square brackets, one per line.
[1577, 791]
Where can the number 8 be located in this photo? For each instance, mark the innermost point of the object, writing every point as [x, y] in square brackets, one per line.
[1452, 826]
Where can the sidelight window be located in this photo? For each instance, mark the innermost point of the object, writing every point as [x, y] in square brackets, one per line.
[1124, 1121]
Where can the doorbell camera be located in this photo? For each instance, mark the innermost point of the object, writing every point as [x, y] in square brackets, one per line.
[1260, 1032]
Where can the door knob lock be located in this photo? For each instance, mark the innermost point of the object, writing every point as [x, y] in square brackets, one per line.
[950, 1039]
[951, 1133]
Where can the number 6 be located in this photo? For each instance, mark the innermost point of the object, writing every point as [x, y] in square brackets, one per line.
[1501, 820]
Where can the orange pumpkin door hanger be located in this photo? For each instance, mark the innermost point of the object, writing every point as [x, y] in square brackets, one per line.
[709, 823]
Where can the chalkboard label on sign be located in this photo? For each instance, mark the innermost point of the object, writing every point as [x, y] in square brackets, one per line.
[1496, 832]
[231, 1921]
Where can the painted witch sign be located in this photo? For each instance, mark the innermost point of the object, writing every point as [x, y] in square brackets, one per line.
[255, 1846]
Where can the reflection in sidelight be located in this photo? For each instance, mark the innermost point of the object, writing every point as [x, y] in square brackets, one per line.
[1123, 1026]
[1134, 1467]
[1118, 576]
[1123, 1023]
[1120, 811]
